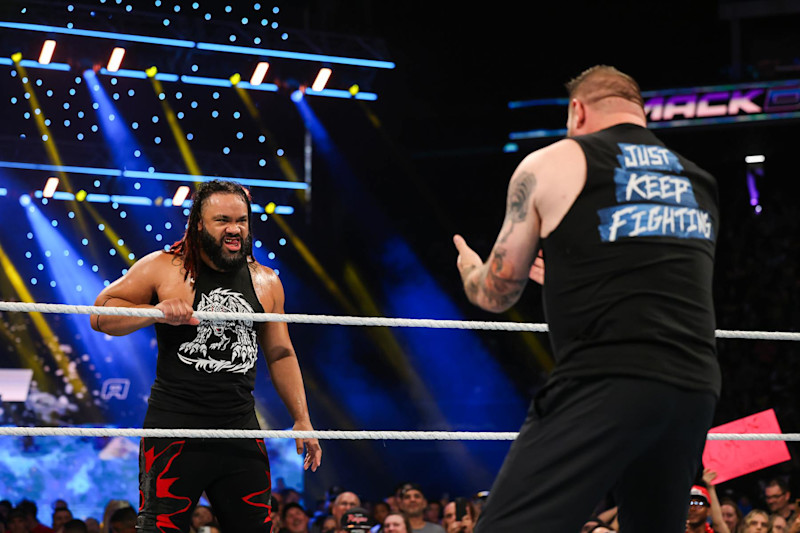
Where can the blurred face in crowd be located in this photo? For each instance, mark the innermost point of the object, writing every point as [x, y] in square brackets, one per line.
[779, 524]
[201, 516]
[450, 514]
[432, 512]
[342, 503]
[776, 498]
[729, 516]
[395, 524]
[17, 525]
[92, 525]
[413, 503]
[329, 525]
[757, 523]
[379, 512]
[296, 520]
[61, 517]
[698, 510]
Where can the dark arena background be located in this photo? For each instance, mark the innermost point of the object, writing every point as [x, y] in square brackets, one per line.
[358, 187]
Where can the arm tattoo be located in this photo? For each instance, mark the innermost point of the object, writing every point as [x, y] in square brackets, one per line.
[517, 205]
[501, 287]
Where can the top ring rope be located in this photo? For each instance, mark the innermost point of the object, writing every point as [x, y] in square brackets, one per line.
[348, 320]
[325, 434]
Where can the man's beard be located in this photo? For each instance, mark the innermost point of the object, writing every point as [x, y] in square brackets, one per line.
[221, 258]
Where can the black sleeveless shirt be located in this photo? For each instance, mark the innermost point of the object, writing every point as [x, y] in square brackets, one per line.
[207, 372]
[628, 285]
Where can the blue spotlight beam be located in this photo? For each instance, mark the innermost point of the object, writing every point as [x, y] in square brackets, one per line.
[167, 176]
[213, 47]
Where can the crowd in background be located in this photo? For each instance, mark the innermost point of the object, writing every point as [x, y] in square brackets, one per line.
[710, 508]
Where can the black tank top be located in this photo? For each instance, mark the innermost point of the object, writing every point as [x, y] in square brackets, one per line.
[628, 287]
[208, 371]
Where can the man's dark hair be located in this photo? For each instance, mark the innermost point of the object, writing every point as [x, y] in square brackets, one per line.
[28, 508]
[125, 515]
[412, 486]
[188, 248]
[75, 526]
[603, 81]
[61, 510]
[291, 505]
[778, 482]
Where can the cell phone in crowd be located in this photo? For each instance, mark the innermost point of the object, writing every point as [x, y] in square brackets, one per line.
[461, 508]
[204, 529]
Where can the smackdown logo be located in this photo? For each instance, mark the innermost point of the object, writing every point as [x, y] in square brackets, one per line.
[752, 100]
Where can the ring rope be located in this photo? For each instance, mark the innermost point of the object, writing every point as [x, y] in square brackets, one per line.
[347, 320]
[325, 435]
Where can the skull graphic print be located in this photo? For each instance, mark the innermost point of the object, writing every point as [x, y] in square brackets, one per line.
[217, 339]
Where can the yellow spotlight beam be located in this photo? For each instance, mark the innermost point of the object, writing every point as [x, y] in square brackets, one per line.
[55, 158]
[177, 132]
[531, 340]
[61, 359]
[283, 163]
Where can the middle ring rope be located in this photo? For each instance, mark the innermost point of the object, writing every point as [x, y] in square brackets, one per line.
[348, 320]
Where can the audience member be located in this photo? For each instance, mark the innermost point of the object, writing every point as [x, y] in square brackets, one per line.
[413, 505]
[30, 513]
[16, 522]
[123, 520]
[329, 524]
[699, 508]
[452, 523]
[396, 523]
[731, 515]
[92, 525]
[61, 515]
[5, 508]
[202, 515]
[294, 518]
[379, 511]
[111, 507]
[344, 501]
[75, 526]
[756, 521]
[433, 512]
[779, 499]
[778, 524]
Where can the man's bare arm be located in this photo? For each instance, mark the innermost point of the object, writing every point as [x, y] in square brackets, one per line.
[136, 289]
[498, 283]
[284, 367]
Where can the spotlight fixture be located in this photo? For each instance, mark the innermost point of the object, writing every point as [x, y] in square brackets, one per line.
[50, 187]
[116, 59]
[180, 195]
[259, 73]
[46, 55]
[322, 78]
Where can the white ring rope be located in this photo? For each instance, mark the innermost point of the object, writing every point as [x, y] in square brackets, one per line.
[347, 320]
[325, 435]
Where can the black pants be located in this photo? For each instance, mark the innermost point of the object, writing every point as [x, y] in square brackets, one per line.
[582, 438]
[173, 473]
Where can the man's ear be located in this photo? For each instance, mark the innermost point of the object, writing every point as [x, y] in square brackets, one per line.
[578, 113]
